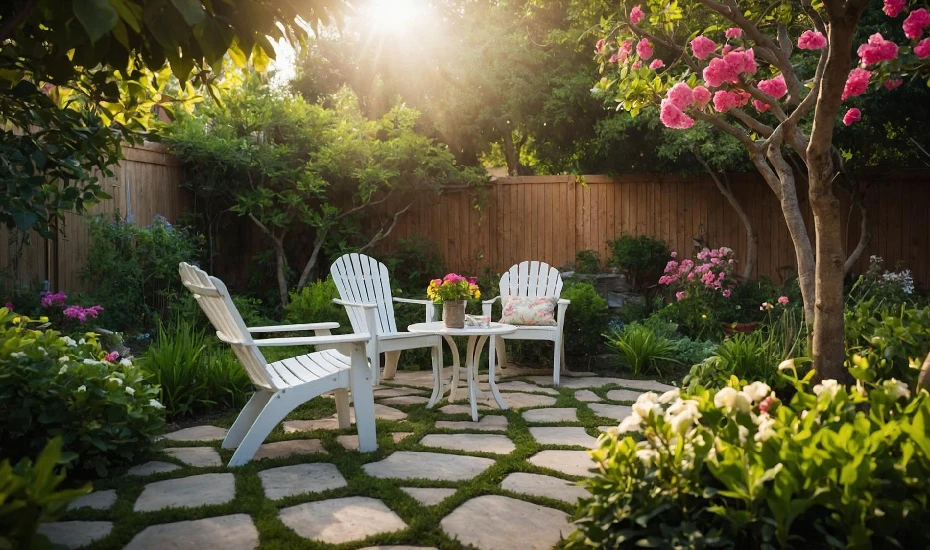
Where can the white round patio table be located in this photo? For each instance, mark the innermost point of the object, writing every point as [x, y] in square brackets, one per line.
[477, 336]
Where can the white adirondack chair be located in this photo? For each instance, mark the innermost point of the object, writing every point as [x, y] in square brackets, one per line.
[283, 385]
[364, 284]
[533, 279]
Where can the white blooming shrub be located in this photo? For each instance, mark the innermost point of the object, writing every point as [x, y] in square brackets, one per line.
[739, 468]
[101, 406]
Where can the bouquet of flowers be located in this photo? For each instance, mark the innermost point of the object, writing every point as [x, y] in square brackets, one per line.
[452, 288]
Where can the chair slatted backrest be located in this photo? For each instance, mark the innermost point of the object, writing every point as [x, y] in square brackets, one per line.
[531, 279]
[213, 297]
[363, 279]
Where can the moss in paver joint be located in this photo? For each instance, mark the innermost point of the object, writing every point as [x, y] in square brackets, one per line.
[423, 521]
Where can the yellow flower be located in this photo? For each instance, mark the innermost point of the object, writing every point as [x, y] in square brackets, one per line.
[477, 294]
[16, 320]
[43, 319]
[703, 316]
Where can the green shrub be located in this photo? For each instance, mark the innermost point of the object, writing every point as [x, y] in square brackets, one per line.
[587, 261]
[134, 270]
[642, 258]
[414, 263]
[194, 373]
[641, 349]
[887, 342]
[314, 304]
[29, 496]
[739, 468]
[692, 352]
[585, 320]
[50, 385]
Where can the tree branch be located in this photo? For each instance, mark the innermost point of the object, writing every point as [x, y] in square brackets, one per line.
[725, 126]
[381, 236]
[751, 123]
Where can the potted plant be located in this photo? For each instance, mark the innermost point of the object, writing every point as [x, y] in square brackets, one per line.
[452, 291]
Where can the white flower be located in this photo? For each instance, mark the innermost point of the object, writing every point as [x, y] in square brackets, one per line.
[91, 362]
[18, 354]
[743, 434]
[82, 388]
[765, 306]
[669, 396]
[81, 342]
[154, 403]
[129, 390]
[828, 387]
[115, 379]
[69, 340]
[896, 389]
[63, 370]
[765, 430]
[682, 414]
[757, 391]
[64, 358]
[787, 364]
[645, 404]
[731, 399]
[125, 362]
[630, 424]
[646, 456]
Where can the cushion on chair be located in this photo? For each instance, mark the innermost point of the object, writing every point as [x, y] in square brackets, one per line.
[529, 311]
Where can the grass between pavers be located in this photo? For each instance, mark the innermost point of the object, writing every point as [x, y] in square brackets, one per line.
[423, 521]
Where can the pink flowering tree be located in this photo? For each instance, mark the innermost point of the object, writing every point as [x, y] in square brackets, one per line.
[775, 77]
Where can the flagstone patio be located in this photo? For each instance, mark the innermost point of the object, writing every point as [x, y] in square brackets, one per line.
[438, 480]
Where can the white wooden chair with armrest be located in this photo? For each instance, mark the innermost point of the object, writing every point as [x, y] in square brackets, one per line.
[533, 279]
[364, 285]
[338, 365]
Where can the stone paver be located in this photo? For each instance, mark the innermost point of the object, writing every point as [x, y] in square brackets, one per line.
[563, 435]
[198, 433]
[152, 467]
[461, 408]
[616, 412]
[493, 522]
[428, 496]
[522, 400]
[382, 412]
[402, 547]
[520, 385]
[282, 449]
[434, 466]
[298, 479]
[566, 414]
[400, 436]
[75, 534]
[98, 500]
[187, 492]
[340, 520]
[470, 443]
[587, 396]
[599, 381]
[200, 457]
[544, 486]
[235, 532]
[350, 442]
[424, 378]
[487, 423]
[573, 463]
[623, 395]
[406, 400]
[395, 392]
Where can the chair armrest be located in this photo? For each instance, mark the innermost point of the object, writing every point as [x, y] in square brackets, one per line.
[564, 302]
[413, 301]
[314, 340]
[486, 306]
[354, 304]
[491, 301]
[295, 328]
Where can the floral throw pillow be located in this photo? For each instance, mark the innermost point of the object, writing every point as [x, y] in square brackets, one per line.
[529, 311]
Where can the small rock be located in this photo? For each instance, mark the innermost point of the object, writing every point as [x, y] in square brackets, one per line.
[573, 463]
[198, 433]
[152, 467]
[400, 436]
[563, 435]
[587, 396]
[187, 492]
[470, 443]
[283, 449]
[200, 457]
[431, 466]
[341, 520]
[551, 415]
[544, 486]
[487, 423]
[98, 500]
[234, 532]
[428, 496]
[288, 481]
[75, 534]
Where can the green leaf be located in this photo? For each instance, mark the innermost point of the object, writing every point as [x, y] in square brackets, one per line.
[96, 16]
[191, 11]
[260, 59]
[129, 12]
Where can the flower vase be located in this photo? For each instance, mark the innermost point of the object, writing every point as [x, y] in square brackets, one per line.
[453, 313]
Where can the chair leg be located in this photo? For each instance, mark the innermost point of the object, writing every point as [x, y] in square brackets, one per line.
[342, 408]
[455, 367]
[390, 364]
[436, 359]
[501, 350]
[273, 413]
[246, 418]
[364, 400]
[557, 363]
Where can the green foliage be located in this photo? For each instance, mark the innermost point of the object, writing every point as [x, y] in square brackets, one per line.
[587, 262]
[106, 412]
[740, 468]
[882, 287]
[642, 258]
[887, 342]
[314, 304]
[414, 263]
[135, 269]
[29, 496]
[585, 320]
[641, 348]
[692, 352]
[694, 318]
[194, 373]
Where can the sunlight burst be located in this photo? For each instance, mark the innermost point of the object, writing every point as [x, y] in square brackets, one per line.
[393, 15]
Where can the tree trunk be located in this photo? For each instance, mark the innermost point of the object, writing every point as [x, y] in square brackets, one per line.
[827, 343]
[280, 259]
[923, 380]
[511, 155]
[864, 236]
[314, 258]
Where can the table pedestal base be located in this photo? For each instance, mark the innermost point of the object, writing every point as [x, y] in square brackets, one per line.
[472, 356]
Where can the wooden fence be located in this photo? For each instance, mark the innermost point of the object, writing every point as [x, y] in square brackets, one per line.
[146, 183]
[551, 218]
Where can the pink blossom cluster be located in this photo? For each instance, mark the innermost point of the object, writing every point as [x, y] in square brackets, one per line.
[916, 22]
[729, 67]
[734, 32]
[622, 53]
[856, 83]
[81, 313]
[702, 47]
[893, 8]
[656, 64]
[922, 49]
[57, 299]
[636, 15]
[724, 100]
[893, 83]
[644, 49]
[671, 110]
[812, 40]
[711, 272]
[852, 116]
[774, 87]
[877, 49]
